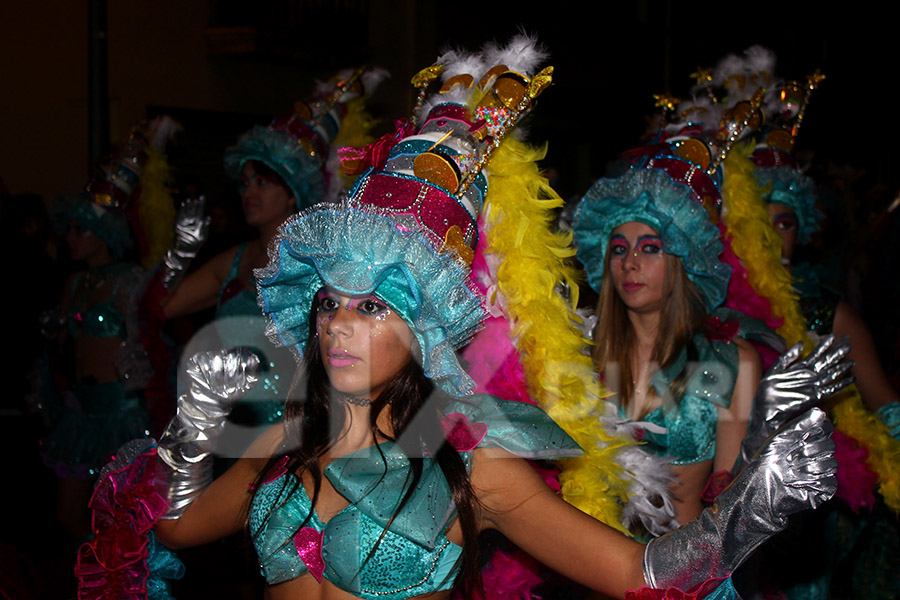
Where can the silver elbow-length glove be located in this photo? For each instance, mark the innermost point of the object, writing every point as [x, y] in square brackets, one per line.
[791, 387]
[793, 471]
[191, 229]
[218, 379]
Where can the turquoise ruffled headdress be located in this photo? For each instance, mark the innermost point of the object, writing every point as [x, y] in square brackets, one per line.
[650, 196]
[777, 166]
[795, 190]
[297, 145]
[280, 151]
[108, 224]
[357, 250]
[407, 232]
[673, 185]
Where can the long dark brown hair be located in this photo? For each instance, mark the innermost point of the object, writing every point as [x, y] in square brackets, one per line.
[312, 421]
[615, 341]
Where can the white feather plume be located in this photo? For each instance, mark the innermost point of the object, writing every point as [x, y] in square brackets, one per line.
[523, 53]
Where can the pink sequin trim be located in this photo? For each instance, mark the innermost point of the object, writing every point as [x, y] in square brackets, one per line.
[308, 542]
[462, 435]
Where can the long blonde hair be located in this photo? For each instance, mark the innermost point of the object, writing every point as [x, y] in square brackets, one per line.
[615, 341]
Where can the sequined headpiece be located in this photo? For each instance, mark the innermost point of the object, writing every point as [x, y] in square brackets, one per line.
[408, 229]
[777, 167]
[105, 205]
[297, 145]
[673, 186]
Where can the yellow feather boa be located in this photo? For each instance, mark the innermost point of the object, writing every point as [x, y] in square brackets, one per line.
[852, 418]
[518, 216]
[757, 244]
[356, 124]
[156, 209]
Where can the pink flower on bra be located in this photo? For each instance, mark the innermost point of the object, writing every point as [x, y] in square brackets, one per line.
[721, 331]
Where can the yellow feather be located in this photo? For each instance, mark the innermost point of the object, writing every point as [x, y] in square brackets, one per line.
[559, 375]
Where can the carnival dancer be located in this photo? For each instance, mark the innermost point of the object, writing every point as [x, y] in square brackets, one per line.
[387, 467]
[286, 166]
[94, 400]
[844, 550]
[682, 367]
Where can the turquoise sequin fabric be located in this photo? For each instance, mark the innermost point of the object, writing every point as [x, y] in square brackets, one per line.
[414, 556]
[686, 430]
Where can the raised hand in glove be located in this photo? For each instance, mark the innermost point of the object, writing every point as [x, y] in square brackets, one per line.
[793, 471]
[791, 387]
[191, 229]
[218, 380]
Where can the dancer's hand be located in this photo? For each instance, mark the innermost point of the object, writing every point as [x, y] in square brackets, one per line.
[793, 386]
[218, 380]
[191, 226]
[794, 470]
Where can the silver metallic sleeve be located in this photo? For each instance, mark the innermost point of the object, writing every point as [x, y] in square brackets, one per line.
[791, 387]
[218, 379]
[191, 228]
[795, 470]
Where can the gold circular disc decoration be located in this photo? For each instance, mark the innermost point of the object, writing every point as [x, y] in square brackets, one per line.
[492, 74]
[465, 80]
[301, 111]
[695, 152]
[781, 139]
[508, 90]
[744, 111]
[438, 169]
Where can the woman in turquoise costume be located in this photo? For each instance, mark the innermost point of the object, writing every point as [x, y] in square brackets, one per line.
[387, 467]
[95, 403]
[283, 167]
[790, 196]
[682, 368]
[851, 547]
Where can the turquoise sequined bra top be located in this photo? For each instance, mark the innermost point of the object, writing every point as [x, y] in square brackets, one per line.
[414, 556]
[102, 320]
[687, 432]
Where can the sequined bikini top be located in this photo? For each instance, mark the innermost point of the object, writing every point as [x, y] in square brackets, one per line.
[414, 557]
[686, 432]
[102, 320]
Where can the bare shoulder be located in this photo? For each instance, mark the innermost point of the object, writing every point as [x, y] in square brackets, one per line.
[270, 443]
[748, 356]
[220, 264]
[502, 481]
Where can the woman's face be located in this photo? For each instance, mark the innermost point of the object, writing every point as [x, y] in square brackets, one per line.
[83, 244]
[637, 265]
[363, 343]
[784, 220]
[265, 201]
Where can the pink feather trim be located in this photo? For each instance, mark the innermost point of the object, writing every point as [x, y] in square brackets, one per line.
[856, 483]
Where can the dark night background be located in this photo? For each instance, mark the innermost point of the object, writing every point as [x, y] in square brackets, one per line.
[220, 66]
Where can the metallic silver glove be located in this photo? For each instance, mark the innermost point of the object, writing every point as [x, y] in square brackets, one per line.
[191, 228]
[794, 470]
[791, 387]
[218, 379]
